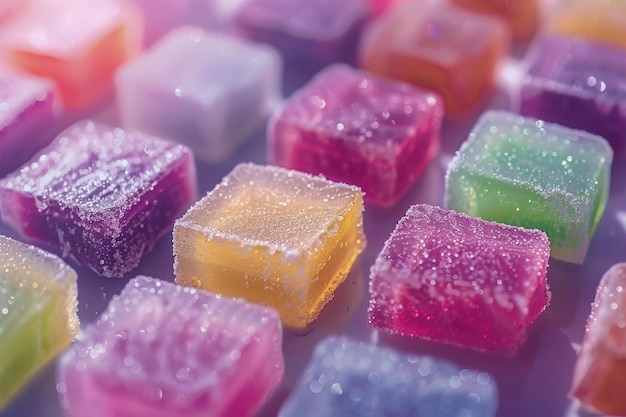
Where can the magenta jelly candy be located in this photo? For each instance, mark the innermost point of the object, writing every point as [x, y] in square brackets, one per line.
[460, 280]
[360, 129]
[164, 350]
[102, 196]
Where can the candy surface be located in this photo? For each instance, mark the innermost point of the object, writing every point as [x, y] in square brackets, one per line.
[580, 84]
[521, 15]
[309, 34]
[169, 351]
[599, 376]
[100, 195]
[451, 278]
[38, 309]
[521, 171]
[26, 117]
[76, 43]
[347, 378]
[425, 44]
[205, 90]
[273, 236]
[359, 129]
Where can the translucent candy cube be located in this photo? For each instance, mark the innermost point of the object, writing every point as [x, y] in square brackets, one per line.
[101, 196]
[273, 236]
[77, 43]
[599, 382]
[521, 15]
[26, 117]
[347, 378]
[205, 90]
[308, 33]
[165, 350]
[579, 84]
[600, 20]
[460, 280]
[524, 172]
[437, 46]
[359, 129]
[38, 309]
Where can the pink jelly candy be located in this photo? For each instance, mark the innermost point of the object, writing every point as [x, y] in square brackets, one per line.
[26, 117]
[360, 129]
[163, 350]
[100, 195]
[599, 382]
[460, 280]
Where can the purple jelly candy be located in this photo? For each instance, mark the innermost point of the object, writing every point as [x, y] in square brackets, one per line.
[25, 118]
[164, 350]
[308, 33]
[581, 84]
[460, 280]
[360, 129]
[100, 195]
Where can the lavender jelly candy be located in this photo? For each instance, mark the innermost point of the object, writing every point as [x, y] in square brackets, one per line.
[581, 84]
[348, 378]
[205, 90]
[102, 196]
[360, 129]
[308, 33]
[25, 117]
[163, 350]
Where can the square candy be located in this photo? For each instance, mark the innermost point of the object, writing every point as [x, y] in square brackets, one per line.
[359, 129]
[77, 43]
[273, 236]
[38, 312]
[524, 172]
[100, 195]
[460, 280]
[26, 117]
[580, 84]
[164, 350]
[521, 15]
[439, 47]
[599, 20]
[346, 378]
[599, 382]
[309, 34]
[205, 90]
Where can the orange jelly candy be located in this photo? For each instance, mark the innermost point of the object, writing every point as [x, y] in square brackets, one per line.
[437, 46]
[521, 15]
[77, 43]
[600, 20]
[600, 373]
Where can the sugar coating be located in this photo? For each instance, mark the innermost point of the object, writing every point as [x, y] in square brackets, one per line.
[165, 350]
[525, 172]
[423, 43]
[38, 312]
[273, 236]
[78, 44]
[26, 117]
[599, 382]
[360, 129]
[100, 195]
[205, 90]
[348, 378]
[579, 84]
[460, 280]
[309, 34]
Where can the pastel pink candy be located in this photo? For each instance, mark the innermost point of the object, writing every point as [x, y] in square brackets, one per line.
[163, 350]
[460, 280]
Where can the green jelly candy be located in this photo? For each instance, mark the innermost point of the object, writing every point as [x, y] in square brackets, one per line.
[38, 312]
[524, 172]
